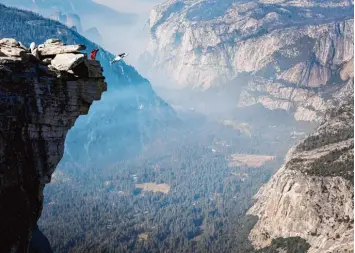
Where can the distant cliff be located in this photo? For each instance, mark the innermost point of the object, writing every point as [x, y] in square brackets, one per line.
[312, 195]
[73, 21]
[283, 55]
[42, 93]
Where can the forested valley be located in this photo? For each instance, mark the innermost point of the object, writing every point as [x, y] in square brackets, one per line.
[183, 193]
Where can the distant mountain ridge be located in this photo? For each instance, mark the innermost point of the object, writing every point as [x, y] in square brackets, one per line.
[283, 55]
[73, 21]
[83, 8]
[91, 19]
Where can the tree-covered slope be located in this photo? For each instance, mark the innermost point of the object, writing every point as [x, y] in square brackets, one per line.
[84, 8]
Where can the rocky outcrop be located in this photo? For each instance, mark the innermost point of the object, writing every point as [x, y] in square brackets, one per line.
[38, 105]
[130, 109]
[311, 196]
[285, 48]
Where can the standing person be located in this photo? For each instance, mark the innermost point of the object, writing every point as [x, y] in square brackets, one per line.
[93, 54]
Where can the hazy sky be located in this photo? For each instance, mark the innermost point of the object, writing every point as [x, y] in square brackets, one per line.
[135, 6]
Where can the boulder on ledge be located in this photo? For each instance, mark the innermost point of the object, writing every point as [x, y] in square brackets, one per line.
[53, 42]
[66, 62]
[12, 51]
[9, 42]
[53, 49]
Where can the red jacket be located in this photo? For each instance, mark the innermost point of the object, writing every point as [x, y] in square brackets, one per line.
[93, 54]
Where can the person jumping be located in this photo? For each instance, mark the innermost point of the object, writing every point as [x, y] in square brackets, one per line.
[118, 58]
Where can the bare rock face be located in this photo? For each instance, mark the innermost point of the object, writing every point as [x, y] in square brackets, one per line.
[311, 196]
[39, 104]
[67, 61]
[53, 42]
[9, 42]
[12, 51]
[298, 46]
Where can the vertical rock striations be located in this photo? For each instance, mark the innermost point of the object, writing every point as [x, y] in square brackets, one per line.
[42, 92]
[282, 54]
[311, 196]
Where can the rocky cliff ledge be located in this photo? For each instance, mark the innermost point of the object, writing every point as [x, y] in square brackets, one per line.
[311, 196]
[43, 90]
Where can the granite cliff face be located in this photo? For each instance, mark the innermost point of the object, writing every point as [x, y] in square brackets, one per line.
[283, 54]
[311, 196]
[42, 93]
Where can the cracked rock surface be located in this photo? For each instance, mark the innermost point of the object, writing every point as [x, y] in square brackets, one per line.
[285, 48]
[311, 196]
[40, 99]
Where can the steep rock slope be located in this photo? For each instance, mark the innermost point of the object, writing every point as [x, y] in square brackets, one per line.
[41, 96]
[311, 196]
[283, 54]
[130, 113]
